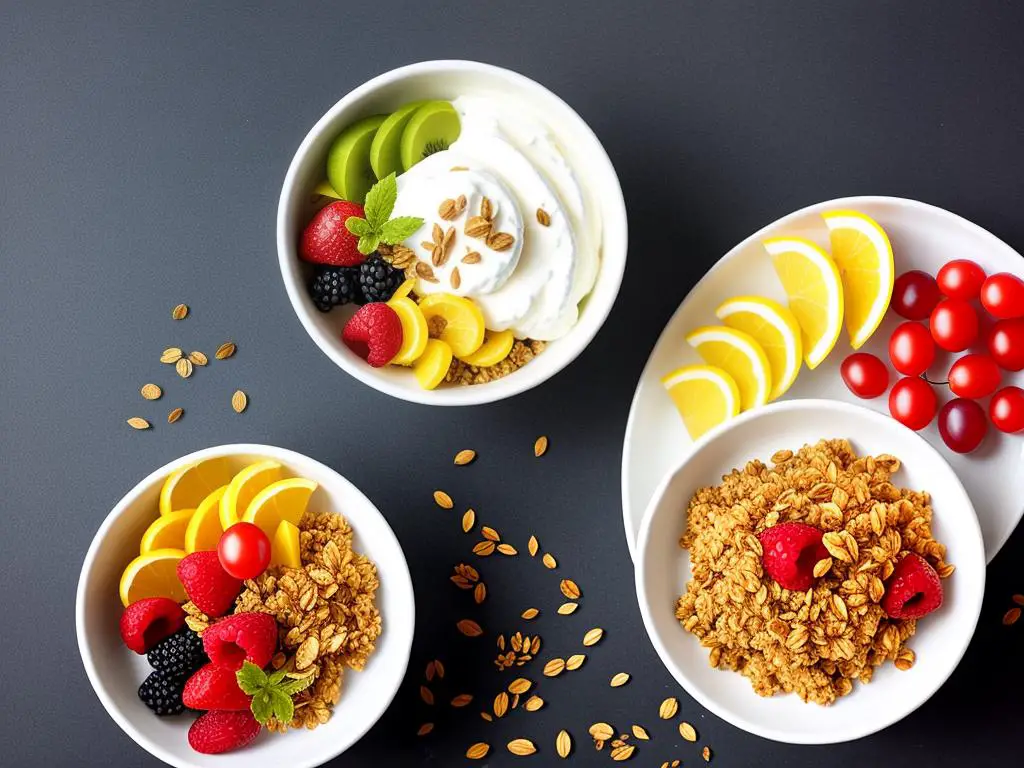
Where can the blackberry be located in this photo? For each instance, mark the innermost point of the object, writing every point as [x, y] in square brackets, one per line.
[179, 655]
[162, 693]
[334, 286]
[378, 279]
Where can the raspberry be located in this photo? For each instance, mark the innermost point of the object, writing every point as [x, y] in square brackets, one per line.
[219, 731]
[914, 589]
[374, 333]
[242, 637]
[162, 694]
[146, 622]
[207, 584]
[790, 552]
[179, 655]
[214, 687]
[326, 239]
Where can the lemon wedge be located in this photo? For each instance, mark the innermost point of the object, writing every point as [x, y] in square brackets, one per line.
[285, 547]
[414, 330]
[812, 282]
[705, 397]
[773, 327]
[204, 529]
[432, 366]
[185, 488]
[243, 489]
[283, 500]
[736, 353]
[154, 574]
[496, 346]
[861, 250]
[167, 531]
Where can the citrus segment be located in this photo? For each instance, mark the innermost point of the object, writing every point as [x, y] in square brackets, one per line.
[773, 327]
[463, 326]
[186, 487]
[433, 364]
[704, 395]
[283, 500]
[736, 353]
[414, 330]
[243, 489]
[204, 529]
[167, 531]
[285, 546]
[496, 346]
[154, 574]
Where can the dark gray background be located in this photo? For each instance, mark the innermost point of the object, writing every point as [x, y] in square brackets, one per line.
[142, 148]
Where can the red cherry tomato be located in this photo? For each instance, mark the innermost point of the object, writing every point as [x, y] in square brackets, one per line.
[954, 325]
[244, 551]
[1006, 344]
[974, 376]
[865, 375]
[912, 402]
[914, 295]
[1007, 410]
[961, 279]
[962, 425]
[1002, 295]
[911, 349]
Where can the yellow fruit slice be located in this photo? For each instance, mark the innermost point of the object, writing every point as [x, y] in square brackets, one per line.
[167, 531]
[204, 528]
[187, 487]
[463, 329]
[283, 500]
[433, 364]
[815, 292]
[736, 353]
[404, 289]
[773, 327]
[285, 546]
[861, 250]
[243, 489]
[496, 346]
[414, 330]
[154, 574]
[704, 395]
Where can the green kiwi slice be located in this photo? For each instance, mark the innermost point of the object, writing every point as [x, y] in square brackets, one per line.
[348, 160]
[386, 149]
[432, 128]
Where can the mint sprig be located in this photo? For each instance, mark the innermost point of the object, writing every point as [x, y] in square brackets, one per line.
[271, 694]
[378, 226]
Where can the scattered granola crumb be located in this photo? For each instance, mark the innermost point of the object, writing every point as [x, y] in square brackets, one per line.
[522, 353]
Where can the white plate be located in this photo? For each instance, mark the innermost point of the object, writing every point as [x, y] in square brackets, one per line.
[941, 639]
[923, 237]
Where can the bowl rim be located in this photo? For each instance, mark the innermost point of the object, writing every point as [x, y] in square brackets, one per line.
[400, 575]
[901, 709]
[610, 273]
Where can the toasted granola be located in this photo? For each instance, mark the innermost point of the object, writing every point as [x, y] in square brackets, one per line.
[522, 352]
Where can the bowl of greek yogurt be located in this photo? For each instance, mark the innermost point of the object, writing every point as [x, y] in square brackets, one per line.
[451, 233]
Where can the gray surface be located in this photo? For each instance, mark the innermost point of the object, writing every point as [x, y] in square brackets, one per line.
[141, 155]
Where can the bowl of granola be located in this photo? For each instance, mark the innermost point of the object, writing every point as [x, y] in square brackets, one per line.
[812, 573]
[245, 605]
[451, 233]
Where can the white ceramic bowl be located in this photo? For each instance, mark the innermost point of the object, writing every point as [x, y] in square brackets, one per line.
[663, 569]
[115, 672]
[446, 80]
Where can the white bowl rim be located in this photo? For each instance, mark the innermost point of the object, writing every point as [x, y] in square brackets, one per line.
[402, 577]
[611, 270]
[901, 709]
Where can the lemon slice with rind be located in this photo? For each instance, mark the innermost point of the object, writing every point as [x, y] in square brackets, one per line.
[167, 531]
[736, 353]
[773, 327]
[861, 250]
[243, 489]
[496, 346]
[463, 327]
[432, 366]
[283, 500]
[154, 574]
[704, 395]
[414, 330]
[204, 529]
[186, 487]
[815, 291]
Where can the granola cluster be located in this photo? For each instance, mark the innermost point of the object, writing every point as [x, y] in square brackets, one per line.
[522, 352]
[813, 643]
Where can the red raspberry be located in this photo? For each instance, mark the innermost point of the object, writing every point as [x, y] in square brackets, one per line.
[914, 589]
[242, 637]
[214, 687]
[207, 584]
[218, 731]
[146, 622]
[374, 333]
[790, 552]
[326, 239]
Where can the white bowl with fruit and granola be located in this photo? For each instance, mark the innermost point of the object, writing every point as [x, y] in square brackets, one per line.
[451, 233]
[245, 606]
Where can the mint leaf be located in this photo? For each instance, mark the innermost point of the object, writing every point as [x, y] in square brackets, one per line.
[295, 686]
[357, 226]
[282, 705]
[251, 679]
[368, 243]
[262, 708]
[396, 230]
[380, 201]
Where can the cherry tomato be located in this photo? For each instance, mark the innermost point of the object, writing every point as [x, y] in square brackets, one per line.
[1002, 295]
[1006, 344]
[1007, 410]
[865, 375]
[962, 425]
[914, 295]
[911, 349]
[961, 279]
[912, 402]
[244, 551]
[954, 325]
[974, 376]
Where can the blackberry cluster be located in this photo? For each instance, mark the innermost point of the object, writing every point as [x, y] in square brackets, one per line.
[162, 693]
[334, 286]
[173, 660]
[378, 280]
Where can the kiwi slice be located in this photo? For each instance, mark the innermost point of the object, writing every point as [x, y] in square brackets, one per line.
[348, 160]
[386, 149]
[432, 128]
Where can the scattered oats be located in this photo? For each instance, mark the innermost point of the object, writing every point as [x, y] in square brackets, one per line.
[515, 701]
[479, 593]
[567, 608]
[137, 422]
[174, 415]
[945, 570]
[426, 695]
[593, 637]
[462, 700]
[1018, 599]
[687, 731]
[151, 392]
[487, 208]
[198, 358]
[487, 716]
[484, 548]
[456, 279]
[640, 732]
[519, 685]
[507, 549]
[443, 500]
[575, 661]
[563, 744]
[905, 660]
[448, 210]
[622, 752]
[499, 241]
[668, 708]
[500, 704]
[532, 546]
[180, 312]
[620, 679]
[543, 217]
[439, 666]
[601, 731]
[530, 613]
[468, 520]
[239, 401]
[225, 350]
[171, 355]
[458, 168]
[472, 257]
[822, 567]
[478, 751]
[1011, 616]
[706, 754]
[425, 272]
[521, 747]
[425, 729]
[183, 367]
[540, 447]
[477, 226]
[533, 704]
[549, 561]
[569, 589]
[430, 671]
[469, 628]
[554, 668]
[464, 457]
[490, 534]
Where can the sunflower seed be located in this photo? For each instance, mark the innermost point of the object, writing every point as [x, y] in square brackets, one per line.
[137, 422]
[225, 350]
[619, 679]
[151, 392]
[443, 500]
[180, 312]
[174, 415]
[239, 401]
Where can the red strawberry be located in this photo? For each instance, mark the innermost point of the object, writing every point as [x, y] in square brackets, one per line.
[914, 589]
[218, 731]
[374, 333]
[242, 637]
[790, 551]
[146, 622]
[326, 240]
[214, 687]
[207, 584]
